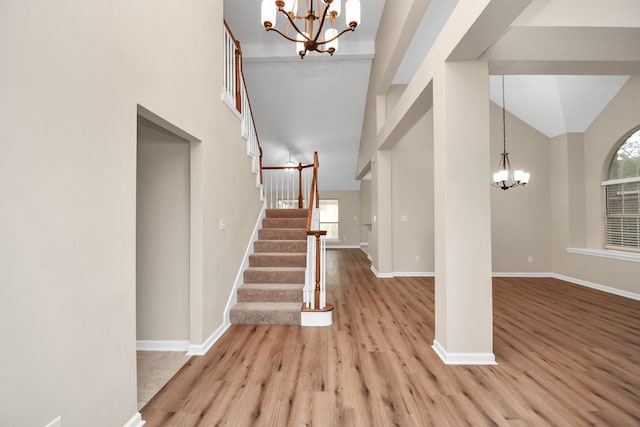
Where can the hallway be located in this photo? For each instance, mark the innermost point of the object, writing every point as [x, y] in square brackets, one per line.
[566, 355]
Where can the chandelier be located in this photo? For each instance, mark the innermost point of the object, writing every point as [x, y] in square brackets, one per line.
[301, 22]
[504, 179]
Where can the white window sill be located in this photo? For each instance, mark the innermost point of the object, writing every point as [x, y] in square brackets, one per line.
[606, 253]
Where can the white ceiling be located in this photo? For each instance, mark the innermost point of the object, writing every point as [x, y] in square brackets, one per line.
[318, 103]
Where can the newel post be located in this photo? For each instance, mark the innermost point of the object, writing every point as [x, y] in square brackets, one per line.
[300, 186]
[318, 234]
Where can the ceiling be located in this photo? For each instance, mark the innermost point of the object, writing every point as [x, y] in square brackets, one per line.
[317, 104]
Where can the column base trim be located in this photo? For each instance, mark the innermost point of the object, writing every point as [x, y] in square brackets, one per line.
[135, 421]
[202, 349]
[463, 358]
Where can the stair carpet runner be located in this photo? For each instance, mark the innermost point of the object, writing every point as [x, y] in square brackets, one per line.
[272, 290]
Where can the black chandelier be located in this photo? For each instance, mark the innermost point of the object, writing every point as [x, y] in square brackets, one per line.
[504, 179]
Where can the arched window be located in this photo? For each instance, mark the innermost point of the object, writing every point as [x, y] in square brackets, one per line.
[622, 191]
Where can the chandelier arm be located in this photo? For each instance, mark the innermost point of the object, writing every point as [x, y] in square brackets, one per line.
[281, 33]
[295, 27]
[339, 34]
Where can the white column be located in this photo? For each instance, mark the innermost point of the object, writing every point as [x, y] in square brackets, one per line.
[463, 289]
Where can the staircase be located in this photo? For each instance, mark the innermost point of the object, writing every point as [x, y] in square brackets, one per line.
[272, 290]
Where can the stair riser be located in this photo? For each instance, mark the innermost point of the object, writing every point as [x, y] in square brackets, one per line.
[284, 223]
[287, 213]
[251, 276]
[241, 317]
[281, 234]
[269, 295]
[261, 246]
[264, 260]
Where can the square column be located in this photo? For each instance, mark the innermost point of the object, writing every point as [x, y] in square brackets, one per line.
[381, 237]
[462, 210]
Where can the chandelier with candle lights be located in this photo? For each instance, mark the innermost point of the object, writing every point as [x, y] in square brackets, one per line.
[301, 26]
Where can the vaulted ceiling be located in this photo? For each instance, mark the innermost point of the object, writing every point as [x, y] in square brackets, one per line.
[564, 60]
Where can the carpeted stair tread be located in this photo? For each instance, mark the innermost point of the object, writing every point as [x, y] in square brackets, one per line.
[278, 259]
[261, 246]
[286, 213]
[274, 275]
[284, 223]
[282, 234]
[266, 313]
[270, 292]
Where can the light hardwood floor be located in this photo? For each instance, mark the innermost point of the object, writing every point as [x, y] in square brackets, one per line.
[567, 356]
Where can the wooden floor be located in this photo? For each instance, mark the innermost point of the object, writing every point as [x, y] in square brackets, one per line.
[567, 356]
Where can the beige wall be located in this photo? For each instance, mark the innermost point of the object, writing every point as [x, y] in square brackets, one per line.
[365, 211]
[521, 216]
[73, 76]
[349, 216]
[162, 235]
[412, 199]
[598, 144]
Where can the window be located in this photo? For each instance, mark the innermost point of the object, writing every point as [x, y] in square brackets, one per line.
[622, 192]
[329, 218]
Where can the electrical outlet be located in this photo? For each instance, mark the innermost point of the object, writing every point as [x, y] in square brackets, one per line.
[404, 218]
[223, 224]
[417, 258]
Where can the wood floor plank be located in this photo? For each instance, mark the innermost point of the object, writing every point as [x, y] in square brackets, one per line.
[567, 355]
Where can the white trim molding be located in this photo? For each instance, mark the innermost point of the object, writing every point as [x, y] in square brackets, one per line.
[599, 287]
[150, 345]
[233, 296]
[381, 275]
[521, 274]
[463, 358]
[414, 274]
[135, 421]
[202, 349]
[607, 253]
[55, 423]
[334, 246]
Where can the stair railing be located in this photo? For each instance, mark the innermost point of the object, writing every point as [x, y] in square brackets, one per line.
[315, 292]
[235, 95]
[286, 189]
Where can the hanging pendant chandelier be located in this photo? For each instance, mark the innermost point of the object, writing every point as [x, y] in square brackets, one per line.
[504, 179]
[301, 26]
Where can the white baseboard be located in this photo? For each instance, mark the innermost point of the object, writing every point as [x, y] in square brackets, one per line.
[381, 275]
[463, 358]
[414, 274]
[330, 246]
[135, 421]
[148, 345]
[201, 349]
[364, 244]
[521, 274]
[233, 297]
[597, 286]
[55, 423]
